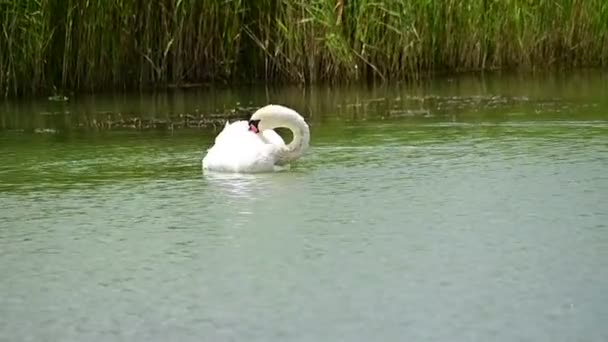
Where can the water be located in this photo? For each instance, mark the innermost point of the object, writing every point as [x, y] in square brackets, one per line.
[467, 209]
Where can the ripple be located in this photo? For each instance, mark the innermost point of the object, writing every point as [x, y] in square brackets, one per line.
[470, 223]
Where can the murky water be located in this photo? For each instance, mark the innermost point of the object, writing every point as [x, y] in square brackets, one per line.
[465, 209]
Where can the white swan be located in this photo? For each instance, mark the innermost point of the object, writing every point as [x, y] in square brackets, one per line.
[253, 146]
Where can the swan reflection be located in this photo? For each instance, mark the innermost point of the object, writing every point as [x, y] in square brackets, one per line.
[238, 185]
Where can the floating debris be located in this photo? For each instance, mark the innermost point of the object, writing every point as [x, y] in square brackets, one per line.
[58, 98]
[45, 130]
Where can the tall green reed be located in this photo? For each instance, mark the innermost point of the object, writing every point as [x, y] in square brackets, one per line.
[60, 45]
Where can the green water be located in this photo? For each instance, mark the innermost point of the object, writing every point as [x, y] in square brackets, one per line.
[463, 209]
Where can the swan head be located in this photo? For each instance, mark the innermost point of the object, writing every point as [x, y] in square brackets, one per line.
[254, 126]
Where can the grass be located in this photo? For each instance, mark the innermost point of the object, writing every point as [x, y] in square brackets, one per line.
[49, 46]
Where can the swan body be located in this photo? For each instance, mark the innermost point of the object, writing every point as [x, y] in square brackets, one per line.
[253, 146]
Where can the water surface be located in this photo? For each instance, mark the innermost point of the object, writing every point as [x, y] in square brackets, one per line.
[460, 209]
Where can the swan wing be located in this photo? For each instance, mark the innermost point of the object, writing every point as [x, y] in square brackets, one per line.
[273, 137]
[238, 150]
[248, 159]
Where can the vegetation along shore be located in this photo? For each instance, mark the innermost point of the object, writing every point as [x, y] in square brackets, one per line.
[80, 45]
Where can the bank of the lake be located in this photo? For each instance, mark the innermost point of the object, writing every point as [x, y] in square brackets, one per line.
[49, 47]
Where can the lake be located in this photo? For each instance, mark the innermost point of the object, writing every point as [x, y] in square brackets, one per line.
[469, 208]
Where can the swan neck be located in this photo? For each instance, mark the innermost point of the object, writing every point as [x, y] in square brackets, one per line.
[300, 141]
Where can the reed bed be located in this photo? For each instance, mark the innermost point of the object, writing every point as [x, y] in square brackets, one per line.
[54, 46]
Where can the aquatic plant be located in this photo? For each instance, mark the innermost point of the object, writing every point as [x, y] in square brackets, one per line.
[61, 45]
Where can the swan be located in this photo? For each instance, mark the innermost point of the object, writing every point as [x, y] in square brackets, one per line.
[253, 146]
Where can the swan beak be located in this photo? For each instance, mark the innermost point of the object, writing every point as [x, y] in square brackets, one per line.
[253, 126]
